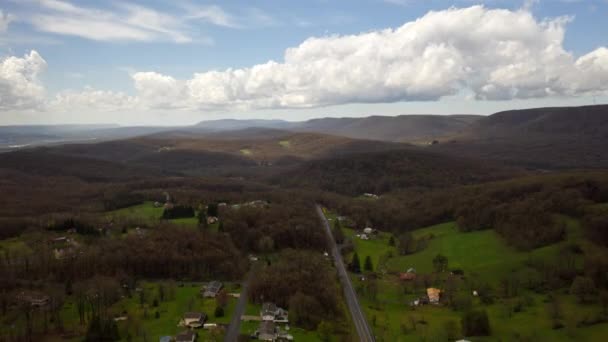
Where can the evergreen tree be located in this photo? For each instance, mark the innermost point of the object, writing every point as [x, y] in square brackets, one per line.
[440, 263]
[355, 264]
[368, 266]
[391, 241]
[338, 233]
[212, 209]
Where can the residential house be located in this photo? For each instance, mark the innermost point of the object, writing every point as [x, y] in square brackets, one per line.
[368, 230]
[272, 313]
[193, 319]
[166, 339]
[212, 289]
[434, 295]
[211, 219]
[186, 336]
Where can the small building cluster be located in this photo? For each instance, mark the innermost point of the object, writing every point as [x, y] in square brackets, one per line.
[271, 315]
[367, 233]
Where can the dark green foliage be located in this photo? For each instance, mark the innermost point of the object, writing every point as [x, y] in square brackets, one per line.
[100, 330]
[368, 265]
[122, 199]
[583, 288]
[212, 209]
[355, 264]
[391, 241]
[337, 232]
[219, 311]
[476, 323]
[440, 263]
[407, 244]
[178, 211]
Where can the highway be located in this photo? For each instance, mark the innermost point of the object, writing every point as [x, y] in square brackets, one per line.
[363, 329]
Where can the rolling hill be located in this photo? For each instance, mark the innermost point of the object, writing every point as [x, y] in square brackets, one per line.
[544, 138]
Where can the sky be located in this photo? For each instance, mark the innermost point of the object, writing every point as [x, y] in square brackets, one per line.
[179, 62]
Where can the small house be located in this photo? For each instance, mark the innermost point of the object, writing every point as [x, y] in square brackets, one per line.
[186, 336]
[193, 319]
[211, 219]
[212, 289]
[368, 230]
[272, 313]
[434, 295]
[166, 339]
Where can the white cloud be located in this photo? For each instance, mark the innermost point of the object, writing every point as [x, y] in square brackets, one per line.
[491, 54]
[91, 100]
[212, 14]
[126, 22]
[20, 87]
[495, 54]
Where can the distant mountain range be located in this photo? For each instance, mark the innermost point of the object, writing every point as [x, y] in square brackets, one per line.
[545, 138]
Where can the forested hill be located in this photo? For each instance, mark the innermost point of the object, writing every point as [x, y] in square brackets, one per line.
[544, 138]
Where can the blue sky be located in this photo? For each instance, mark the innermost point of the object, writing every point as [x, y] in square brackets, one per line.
[147, 62]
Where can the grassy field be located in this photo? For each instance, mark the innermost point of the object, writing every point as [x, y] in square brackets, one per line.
[483, 255]
[285, 143]
[149, 214]
[246, 152]
[186, 298]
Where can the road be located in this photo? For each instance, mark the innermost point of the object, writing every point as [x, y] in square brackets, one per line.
[232, 332]
[363, 329]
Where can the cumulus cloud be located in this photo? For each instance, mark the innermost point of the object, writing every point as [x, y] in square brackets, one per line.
[489, 54]
[493, 53]
[20, 87]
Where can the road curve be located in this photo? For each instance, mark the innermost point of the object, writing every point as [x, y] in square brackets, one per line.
[363, 329]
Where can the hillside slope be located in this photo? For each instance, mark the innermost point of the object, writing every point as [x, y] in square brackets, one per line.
[545, 138]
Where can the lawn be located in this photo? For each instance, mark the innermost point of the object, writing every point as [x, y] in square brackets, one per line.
[146, 212]
[149, 214]
[246, 152]
[376, 248]
[285, 143]
[187, 298]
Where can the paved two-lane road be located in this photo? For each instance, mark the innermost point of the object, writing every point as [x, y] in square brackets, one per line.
[232, 332]
[363, 329]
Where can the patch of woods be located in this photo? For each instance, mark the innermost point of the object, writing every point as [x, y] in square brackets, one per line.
[305, 283]
[389, 171]
[289, 222]
[522, 210]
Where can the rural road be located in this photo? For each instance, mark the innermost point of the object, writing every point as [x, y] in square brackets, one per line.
[363, 330]
[232, 332]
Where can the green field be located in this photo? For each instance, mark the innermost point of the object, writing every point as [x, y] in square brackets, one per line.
[484, 256]
[147, 213]
[246, 152]
[285, 143]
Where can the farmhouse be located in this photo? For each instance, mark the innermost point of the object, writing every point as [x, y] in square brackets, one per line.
[186, 336]
[368, 230]
[193, 319]
[212, 289]
[434, 295]
[272, 313]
